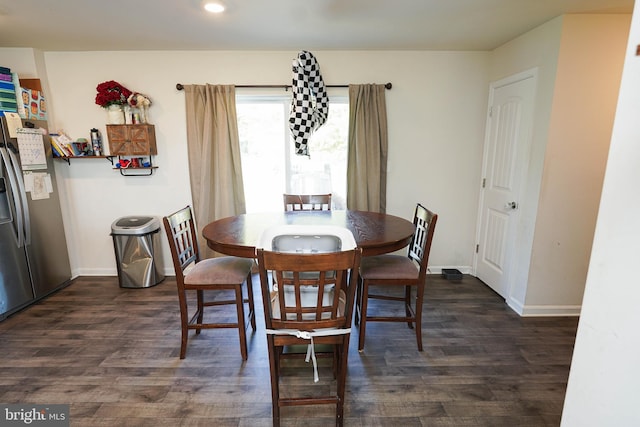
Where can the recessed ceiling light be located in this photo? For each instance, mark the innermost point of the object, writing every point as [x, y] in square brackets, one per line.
[213, 6]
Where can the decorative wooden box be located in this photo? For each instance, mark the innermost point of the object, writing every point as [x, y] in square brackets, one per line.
[132, 140]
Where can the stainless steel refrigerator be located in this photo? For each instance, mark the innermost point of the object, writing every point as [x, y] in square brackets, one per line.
[34, 260]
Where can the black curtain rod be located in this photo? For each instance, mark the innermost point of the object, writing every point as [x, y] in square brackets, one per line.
[180, 86]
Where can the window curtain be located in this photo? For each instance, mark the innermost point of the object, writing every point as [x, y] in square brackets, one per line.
[367, 158]
[215, 169]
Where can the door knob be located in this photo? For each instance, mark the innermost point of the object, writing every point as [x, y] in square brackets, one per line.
[511, 205]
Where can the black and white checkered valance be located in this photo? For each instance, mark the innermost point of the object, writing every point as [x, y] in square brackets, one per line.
[309, 103]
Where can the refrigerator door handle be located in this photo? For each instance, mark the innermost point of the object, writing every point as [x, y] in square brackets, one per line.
[19, 235]
[3, 189]
[23, 196]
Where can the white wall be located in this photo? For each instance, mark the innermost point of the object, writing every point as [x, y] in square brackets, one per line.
[591, 57]
[579, 63]
[603, 382]
[436, 117]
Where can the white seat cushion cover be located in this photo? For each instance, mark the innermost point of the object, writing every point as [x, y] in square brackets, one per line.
[347, 240]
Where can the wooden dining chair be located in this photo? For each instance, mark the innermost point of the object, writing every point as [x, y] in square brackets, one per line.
[324, 318]
[307, 202]
[213, 274]
[397, 271]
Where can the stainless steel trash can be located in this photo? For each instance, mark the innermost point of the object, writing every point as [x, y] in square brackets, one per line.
[136, 240]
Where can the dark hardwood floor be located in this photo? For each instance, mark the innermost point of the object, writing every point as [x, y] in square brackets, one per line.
[112, 354]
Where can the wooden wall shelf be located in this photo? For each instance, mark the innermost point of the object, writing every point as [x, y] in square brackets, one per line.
[68, 158]
[133, 141]
[127, 141]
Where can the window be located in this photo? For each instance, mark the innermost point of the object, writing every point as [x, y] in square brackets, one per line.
[269, 165]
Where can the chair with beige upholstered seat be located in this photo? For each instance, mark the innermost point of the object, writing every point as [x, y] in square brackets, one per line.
[213, 274]
[397, 271]
[307, 202]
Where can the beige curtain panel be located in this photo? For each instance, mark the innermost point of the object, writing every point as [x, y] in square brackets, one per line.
[215, 168]
[368, 141]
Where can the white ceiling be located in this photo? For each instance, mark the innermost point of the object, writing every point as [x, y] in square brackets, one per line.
[73, 25]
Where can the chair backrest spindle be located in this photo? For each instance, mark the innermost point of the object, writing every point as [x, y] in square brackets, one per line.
[287, 309]
[307, 202]
[420, 244]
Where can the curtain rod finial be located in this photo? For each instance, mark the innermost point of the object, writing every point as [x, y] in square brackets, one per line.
[388, 85]
[179, 86]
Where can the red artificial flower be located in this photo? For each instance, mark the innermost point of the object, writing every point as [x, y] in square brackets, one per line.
[111, 93]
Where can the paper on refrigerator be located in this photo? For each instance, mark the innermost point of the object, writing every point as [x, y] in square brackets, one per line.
[31, 147]
[39, 184]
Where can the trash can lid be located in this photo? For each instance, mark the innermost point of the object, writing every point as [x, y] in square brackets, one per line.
[135, 225]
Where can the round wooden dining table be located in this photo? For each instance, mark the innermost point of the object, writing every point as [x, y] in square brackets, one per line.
[375, 233]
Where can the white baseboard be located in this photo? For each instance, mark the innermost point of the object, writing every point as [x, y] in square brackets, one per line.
[94, 272]
[546, 310]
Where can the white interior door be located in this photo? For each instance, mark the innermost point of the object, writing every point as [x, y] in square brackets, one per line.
[505, 163]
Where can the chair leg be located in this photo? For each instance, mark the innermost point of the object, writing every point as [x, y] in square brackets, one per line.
[363, 314]
[342, 380]
[200, 306]
[241, 324]
[184, 323]
[407, 305]
[252, 311]
[418, 314]
[336, 361]
[274, 361]
[358, 304]
[278, 352]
